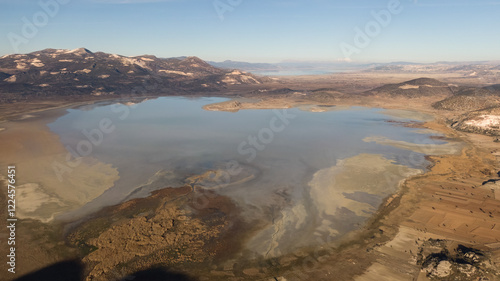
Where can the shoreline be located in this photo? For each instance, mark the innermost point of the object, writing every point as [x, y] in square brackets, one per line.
[390, 236]
[385, 217]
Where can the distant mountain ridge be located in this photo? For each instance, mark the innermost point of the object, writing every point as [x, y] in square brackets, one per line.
[489, 69]
[293, 66]
[472, 69]
[54, 72]
[248, 66]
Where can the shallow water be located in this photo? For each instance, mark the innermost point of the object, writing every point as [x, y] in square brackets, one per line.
[297, 72]
[297, 154]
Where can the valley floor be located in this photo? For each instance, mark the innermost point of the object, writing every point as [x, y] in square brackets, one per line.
[442, 225]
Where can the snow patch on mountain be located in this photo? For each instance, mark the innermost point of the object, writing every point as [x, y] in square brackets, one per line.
[11, 79]
[176, 72]
[37, 63]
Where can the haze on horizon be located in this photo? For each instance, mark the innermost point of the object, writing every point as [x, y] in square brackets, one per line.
[258, 30]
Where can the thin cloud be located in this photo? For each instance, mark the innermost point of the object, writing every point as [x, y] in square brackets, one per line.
[454, 4]
[425, 3]
[129, 1]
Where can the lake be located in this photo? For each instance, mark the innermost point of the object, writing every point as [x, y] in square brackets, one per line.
[311, 175]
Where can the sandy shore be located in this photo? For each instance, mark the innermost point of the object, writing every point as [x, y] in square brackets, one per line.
[450, 203]
[39, 157]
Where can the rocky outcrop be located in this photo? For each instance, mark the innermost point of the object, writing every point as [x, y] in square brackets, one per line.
[486, 121]
[443, 260]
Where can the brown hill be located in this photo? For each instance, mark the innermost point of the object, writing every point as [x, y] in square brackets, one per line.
[469, 99]
[421, 87]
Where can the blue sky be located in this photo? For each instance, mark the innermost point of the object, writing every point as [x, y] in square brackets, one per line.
[259, 30]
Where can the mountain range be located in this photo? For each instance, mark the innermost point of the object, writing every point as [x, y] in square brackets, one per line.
[52, 72]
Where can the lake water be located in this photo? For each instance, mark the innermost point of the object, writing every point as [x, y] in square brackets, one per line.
[296, 72]
[286, 160]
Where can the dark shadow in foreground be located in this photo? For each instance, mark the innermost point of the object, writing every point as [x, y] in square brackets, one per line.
[73, 271]
[157, 274]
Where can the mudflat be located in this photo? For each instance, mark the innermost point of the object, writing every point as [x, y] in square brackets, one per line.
[38, 155]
